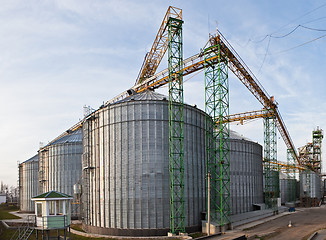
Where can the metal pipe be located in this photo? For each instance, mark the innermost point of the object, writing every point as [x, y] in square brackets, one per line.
[208, 204]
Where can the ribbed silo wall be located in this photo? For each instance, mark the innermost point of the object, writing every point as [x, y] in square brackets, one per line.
[28, 183]
[246, 175]
[61, 165]
[310, 185]
[126, 168]
[287, 185]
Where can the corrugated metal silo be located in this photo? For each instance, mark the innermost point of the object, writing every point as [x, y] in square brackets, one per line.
[125, 167]
[28, 183]
[310, 185]
[246, 174]
[60, 165]
[287, 188]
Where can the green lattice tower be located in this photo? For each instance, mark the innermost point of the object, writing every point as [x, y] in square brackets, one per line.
[217, 136]
[317, 137]
[271, 169]
[176, 125]
[290, 171]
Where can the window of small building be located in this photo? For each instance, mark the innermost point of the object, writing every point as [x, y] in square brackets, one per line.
[39, 209]
[51, 207]
[59, 207]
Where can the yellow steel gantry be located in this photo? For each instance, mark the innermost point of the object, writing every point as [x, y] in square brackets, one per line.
[237, 66]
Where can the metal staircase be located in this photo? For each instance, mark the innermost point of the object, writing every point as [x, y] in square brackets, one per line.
[25, 230]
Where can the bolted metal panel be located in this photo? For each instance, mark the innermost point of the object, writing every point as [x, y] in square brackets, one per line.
[61, 165]
[246, 174]
[126, 165]
[28, 183]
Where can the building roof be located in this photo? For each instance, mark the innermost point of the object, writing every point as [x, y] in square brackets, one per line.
[147, 95]
[34, 158]
[52, 194]
[236, 135]
[73, 137]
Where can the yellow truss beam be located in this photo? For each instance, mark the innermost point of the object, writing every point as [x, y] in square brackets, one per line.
[284, 166]
[241, 117]
[159, 47]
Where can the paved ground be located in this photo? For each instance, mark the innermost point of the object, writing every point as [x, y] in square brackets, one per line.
[321, 235]
[305, 221]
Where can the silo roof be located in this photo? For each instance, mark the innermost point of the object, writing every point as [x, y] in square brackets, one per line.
[151, 95]
[236, 135]
[75, 136]
[34, 158]
[147, 95]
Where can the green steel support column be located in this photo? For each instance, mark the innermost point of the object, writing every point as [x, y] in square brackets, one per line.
[271, 169]
[176, 122]
[291, 181]
[217, 136]
[317, 137]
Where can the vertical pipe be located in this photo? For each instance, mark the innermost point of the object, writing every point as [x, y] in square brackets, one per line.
[208, 204]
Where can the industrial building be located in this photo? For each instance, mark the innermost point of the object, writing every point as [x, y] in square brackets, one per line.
[140, 164]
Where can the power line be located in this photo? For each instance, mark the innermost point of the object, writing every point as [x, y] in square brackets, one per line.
[313, 10]
[279, 29]
[300, 45]
[267, 48]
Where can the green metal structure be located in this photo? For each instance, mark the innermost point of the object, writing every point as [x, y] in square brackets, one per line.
[271, 169]
[217, 135]
[290, 171]
[317, 137]
[176, 125]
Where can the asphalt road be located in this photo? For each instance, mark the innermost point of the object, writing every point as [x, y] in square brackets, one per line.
[304, 221]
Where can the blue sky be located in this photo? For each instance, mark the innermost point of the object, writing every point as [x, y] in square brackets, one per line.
[57, 56]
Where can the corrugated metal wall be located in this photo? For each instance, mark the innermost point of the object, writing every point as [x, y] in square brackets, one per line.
[246, 175]
[125, 167]
[126, 176]
[287, 185]
[28, 183]
[315, 188]
[61, 165]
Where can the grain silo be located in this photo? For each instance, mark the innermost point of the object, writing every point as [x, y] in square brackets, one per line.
[287, 188]
[310, 188]
[126, 167]
[28, 183]
[60, 165]
[246, 174]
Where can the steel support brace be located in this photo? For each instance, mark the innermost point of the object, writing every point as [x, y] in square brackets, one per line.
[217, 135]
[290, 171]
[176, 125]
[271, 170]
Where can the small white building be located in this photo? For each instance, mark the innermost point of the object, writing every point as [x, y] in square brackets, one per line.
[53, 210]
[3, 198]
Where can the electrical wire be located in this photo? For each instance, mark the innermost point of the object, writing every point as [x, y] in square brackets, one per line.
[313, 10]
[261, 66]
[279, 29]
[300, 45]
[283, 36]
